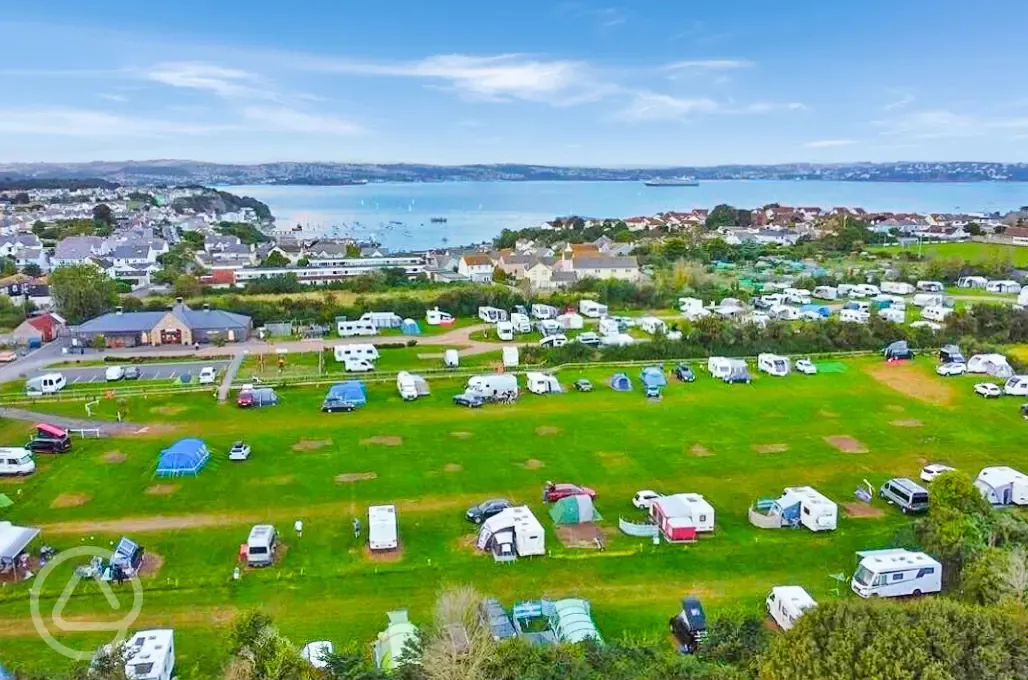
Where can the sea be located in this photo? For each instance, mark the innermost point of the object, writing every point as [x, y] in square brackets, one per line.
[399, 216]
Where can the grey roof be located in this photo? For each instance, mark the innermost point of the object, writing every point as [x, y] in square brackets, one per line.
[564, 277]
[77, 247]
[628, 262]
[130, 253]
[137, 322]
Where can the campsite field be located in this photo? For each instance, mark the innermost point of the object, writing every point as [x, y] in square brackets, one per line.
[971, 251]
[433, 460]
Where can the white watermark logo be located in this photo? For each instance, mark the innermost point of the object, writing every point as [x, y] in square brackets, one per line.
[56, 615]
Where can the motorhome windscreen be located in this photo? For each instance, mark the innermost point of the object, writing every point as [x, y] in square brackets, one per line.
[863, 576]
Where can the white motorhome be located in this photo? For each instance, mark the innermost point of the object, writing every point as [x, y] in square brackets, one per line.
[364, 351]
[895, 573]
[505, 330]
[773, 364]
[382, 533]
[826, 293]
[541, 383]
[786, 605]
[513, 532]
[722, 367]
[1005, 286]
[411, 386]
[936, 313]
[383, 319]
[652, 325]
[893, 314]
[928, 300]
[521, 323]
[592, 309]
[544, 311]
[49, 383]
[16, 461]
[1016, 386]
[511, 357]
[261, 545]
[995, 365]
[492, 384]
[492, 314]
[897, 287]
[360, 327]
[150, 655]
[434, 317]
[854, 316]
[609, 326]
[1002, 485]
[451, 358]
[930, 286]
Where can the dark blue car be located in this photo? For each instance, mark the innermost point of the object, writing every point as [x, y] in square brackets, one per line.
[684, 373]
[468, 400]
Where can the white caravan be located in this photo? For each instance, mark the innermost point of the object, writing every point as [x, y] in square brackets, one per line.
[1006, 287]
[521, 323]
[786, 605]
[1022, 297]
[652, 325]
[895, 573]
[893, 300]
[609, 326]
[928, 300]
[722, 367]
[773, 364]
[549, 327]
[360, 327]
[784, 313]
[15, 461]
[451, 358]
[411, 386]
[690, 305]
[897, 287]
[49, 383]
[505, 330]
[382, 534]
[511, 357]
[592, 309]
[845, 289]
[854, 316]
[150, 655]
[936, 313]
[383, 319]
[368, 352]
[571, 321]
[1016, 386]
[541, 383]
[493, 384]
[930, 286]
[868, 290]
[826, 293]
[893, 314]
[617, 340]
[514, 531]
[995, 365]
[1002, 485]
[492, 314]
[434, 317]
[817, 512]
[544, 311]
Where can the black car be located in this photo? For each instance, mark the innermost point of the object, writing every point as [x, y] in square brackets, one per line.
[689, 626]
[335, 405]
[44, 444]
[684, 373]
[486, 509]
[131, 373]
[898, 350]
[469, 400]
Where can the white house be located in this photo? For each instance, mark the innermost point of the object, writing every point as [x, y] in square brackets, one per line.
[477, 267]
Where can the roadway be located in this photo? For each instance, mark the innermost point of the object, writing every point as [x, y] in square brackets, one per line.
[169, 371]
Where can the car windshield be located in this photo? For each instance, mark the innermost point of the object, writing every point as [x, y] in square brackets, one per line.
[25, 460]
[258, 550]
[863, 576]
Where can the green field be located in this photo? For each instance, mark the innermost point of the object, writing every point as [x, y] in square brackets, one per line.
[971, 252]
[433, 460]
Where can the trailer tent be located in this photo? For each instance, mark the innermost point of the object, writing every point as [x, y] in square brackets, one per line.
[653, 376]
[183, 458]
[410, 327]
[621, 382]
[128, 555]
[351, 390]
[577, 509]
[391, 642]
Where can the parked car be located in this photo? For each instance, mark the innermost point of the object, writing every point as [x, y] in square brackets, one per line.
[905, 494]
[933, 470]
[469, 400]
[239, 451]
[738, 376]
[132, 373]
[644, 499]
[486, 509]
[806, 367]
[684, 373]
[583, 385]
[114, 373]
[207, 375]
[898, 350]
[951, 368]
[652, 392]
[336, 405]
[554, 492]
[988, 390]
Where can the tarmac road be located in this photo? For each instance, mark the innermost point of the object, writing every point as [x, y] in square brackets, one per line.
[169, 371]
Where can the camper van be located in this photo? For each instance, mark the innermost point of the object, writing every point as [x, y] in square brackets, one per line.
[897, 287]
[895, 573]
[592, 309]
[451, 358]
[411, 386]
[930, 286]
[722, 367]
[773, 364]
[360, 327]
[434, 317]
[504, 330]
[826, 293]
[936, 313]
[368, 352]
[786, 605]
[1016, 386]
[854, 316]
[893, 314]
[492, 314]
[1002, 485]
[261, 545]
[541, 383]
[544, 311]
[16, 462]
[521, 323]
[49, 383]
[492, 385]
[382, 534]
[511, 357]
[150, 655]
[907, 495]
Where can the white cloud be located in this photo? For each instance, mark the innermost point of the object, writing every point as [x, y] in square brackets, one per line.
[220, 80]
[85, 123]
[903, 101]
[708, 65]
[290, 120]
[771, 107]
[652, 106]
[829, 143]
[120, 98]
[936, 124]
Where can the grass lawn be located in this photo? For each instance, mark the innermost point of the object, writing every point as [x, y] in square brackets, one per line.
[972, 251]
[433, 460]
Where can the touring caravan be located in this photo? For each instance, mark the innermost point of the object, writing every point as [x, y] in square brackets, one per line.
[897, 288]
[492, 314]
[349, 329]
[896, 572]
[521, 323]
[786, 604]
[995, 365]
[368, 352]
[854, 316]
[930, 286]
[609, 326]
[434, 317]
[16, 461]
[549, 327]
[544, 311]
[893, 314]
[49, 383]
[504, 330]
[845, 289]
[1006, 287]
[936, 313]
[511, 357]
[493, 384]
[411, 386]
[797, 506]
[722, 367]
[681, 516]
[1002, 485]
[928, 300]
[592, 309]
[1016, 386]
[868, 290]
[690, 305]
[150, 655]
[1022, 297]
[261, 545]
[784, 313]
[383, 319]
[826, 293]
[652, 325]
[514, 532]
[451, 358]
[382, 534]
[773, 364]
[571, 321]
[541, 383]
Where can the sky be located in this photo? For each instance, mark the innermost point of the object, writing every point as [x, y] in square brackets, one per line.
[661, 82]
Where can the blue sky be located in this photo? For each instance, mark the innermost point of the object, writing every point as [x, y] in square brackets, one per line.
[578, 83]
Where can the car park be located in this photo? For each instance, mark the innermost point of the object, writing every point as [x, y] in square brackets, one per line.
[239, 451]
[805, 366]
[684, 373]
[931, 471]
[644, 499]
[988, 390]
[477, 514]
[132, 373]
[583, 385]
[951, 368]
[114, 373]
[468, 400]
[554, 492]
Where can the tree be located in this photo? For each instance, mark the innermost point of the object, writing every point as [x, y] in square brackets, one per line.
[81, 292]
[193, 238]
[722, 216]
[32, 269]
[459, 645]
[275, 259]
[352, 250]
[973, 228]
[303, 262]
[98, 343]
[187, 286]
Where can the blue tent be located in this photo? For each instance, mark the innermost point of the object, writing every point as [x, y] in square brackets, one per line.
[184, 457]
[410, 327]
[351, 390]
[653, 376]
[621, 382]
[821, 310]
[4, 675]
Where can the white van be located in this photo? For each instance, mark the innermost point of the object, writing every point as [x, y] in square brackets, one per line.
[492, 385]
[521, 323]
[773, 364]
[16, 461]
[505, 330]
[382, 534]
[360, 327]
[936, 313]
[1016, 386]
[592, 309]
[895, 573]
[356, 351]
[786, 604]
[261, 545]
[50, 383]
[357, 365]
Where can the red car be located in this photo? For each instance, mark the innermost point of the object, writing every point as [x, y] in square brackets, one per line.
[554, 492]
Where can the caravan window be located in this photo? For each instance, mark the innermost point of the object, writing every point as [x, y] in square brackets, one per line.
[925, 571]
[881, 579]
[806, 510]
[897, 576]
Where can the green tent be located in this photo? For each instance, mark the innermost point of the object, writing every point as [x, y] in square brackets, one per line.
[574, 510]
[5, 501]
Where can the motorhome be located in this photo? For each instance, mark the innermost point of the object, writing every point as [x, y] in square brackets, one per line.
[972, 282]
[360, 327]
[722, 367]
[382, 533]
[434, 317]
[492, 314]
[930, 286]
[521, 323]
[541, 383]
[893, 314]
[544, 311]
[504, 330]
[493, 384]
[514, 532]
[150, 655]
[826, 293]
[571, 321]
[652, 325]
[896, 572]
[1002, 485]
[48, 383]
[786, 604]
[854, 316]
[261, 545]
[451, 358]
[549, 327]
[1005, 287]
[16, 462]
[898, 287]
[511, 357]
[411, 386]
[609, 326]
[1016, 386]
[592, 309]
[995, 365]
[773, 364]
[382, 319]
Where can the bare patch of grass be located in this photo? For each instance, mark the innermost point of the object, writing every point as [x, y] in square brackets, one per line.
[701, 451]
[383, 555]
[827, 414]
[461, 435]
[114, 457]
[862, 511]
[151, 565]
[386, 440]
[907, 422]
[280, 480]
[846, 444]
[351, 477]
[311, 444]
[612, 460]
[161, 489]
[547, 430]
[910, 380]
[70, 500]
[533, 464]
[770, 448]
[168, 410]
[453, 467]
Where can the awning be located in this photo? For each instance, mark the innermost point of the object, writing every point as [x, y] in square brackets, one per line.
[13, 539]
[51, 430]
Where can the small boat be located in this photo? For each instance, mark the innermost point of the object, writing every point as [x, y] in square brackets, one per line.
[672, 182]
[438, 220]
